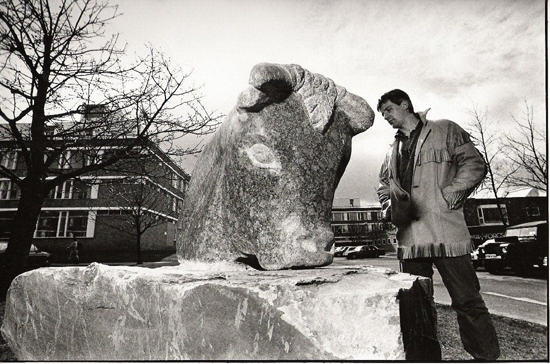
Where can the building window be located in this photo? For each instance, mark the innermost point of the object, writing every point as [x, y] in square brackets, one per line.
[353, 216]
[374, 215]
[77, 223]
[8, 159]
[175, 180]
[489, 214]
[71, 159]
[47, 224]
[64, 160]
[81, 190]
[62, 224]
[72, 189]
[532, 211]
[338, 216]
[9, 190]
[6, 223]
[340, 229]
[357, 229]
[4, 189]
[64, 190]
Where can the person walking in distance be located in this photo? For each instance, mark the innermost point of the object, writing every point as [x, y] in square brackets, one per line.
[74, 249]
[430, 169]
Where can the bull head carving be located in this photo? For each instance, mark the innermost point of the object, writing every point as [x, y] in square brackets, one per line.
[263, 186]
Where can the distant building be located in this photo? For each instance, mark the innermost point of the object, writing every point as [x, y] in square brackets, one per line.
[91, 208]
[484, 219]
[356, 222]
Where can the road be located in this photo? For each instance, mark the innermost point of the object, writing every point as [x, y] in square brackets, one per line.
[506, 295]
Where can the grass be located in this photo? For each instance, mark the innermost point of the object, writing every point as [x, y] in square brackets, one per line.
[519, 340]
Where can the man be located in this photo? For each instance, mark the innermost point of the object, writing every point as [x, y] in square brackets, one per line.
[430, 170]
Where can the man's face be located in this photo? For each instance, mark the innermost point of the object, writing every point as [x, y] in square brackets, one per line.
[395, 114]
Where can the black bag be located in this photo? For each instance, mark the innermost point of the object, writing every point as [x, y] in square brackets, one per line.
[418, 324]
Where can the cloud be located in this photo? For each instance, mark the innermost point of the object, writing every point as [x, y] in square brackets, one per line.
[443, 53]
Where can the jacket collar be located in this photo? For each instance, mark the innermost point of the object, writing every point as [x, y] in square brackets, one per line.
[419, 115]
[422, 115]
[426, 128]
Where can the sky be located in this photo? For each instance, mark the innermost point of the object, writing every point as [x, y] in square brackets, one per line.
[447, 55]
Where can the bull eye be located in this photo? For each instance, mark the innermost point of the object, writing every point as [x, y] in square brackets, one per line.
[262, 156]
[261, 153]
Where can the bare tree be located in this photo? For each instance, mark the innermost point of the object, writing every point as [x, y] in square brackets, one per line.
[55, 61]
[486, 136]
[526, 150]
[141, 208]
[378, 231]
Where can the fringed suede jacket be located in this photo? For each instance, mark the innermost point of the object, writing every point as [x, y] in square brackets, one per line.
[447, 168]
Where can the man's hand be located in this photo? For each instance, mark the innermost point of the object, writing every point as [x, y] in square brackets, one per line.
[455, 200]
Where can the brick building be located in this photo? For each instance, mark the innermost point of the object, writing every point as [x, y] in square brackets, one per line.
[99, 209]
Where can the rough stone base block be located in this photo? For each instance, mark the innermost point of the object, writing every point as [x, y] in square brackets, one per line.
[101, 312]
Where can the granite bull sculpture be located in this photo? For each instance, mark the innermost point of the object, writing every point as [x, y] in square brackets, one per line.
[262, 189]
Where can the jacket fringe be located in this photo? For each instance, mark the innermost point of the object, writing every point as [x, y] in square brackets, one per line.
[434, 250]
[435, 156]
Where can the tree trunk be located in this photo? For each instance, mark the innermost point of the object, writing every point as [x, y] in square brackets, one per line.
[24, 224]
[138, 242]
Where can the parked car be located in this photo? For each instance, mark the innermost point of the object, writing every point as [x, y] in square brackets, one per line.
[340, 250]
[475, 258]
[477, 255]
[37, 258]
[365, 251]
[524, 248]
[346, 252]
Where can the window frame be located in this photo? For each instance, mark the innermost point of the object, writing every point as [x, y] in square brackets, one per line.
[481, 215]
[64, 222]
[9, 159]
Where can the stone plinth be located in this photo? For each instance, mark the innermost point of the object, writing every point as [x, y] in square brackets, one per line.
[101, 312]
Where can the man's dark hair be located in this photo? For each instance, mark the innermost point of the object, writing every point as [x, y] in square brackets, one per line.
[396, 96]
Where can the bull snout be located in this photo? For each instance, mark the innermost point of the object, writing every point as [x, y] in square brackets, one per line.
[304, 245]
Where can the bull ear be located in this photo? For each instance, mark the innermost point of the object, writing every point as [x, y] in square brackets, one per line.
[355, 111]
[319, 94]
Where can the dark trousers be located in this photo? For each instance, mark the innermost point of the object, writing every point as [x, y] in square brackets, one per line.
[476, 328]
